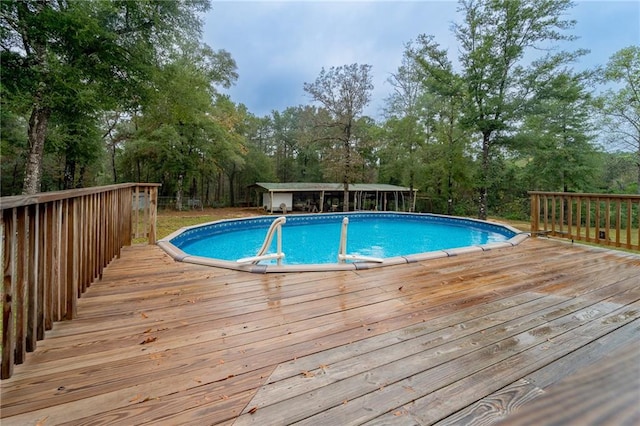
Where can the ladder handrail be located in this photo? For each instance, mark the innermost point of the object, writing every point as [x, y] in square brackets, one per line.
[276, 226]
[342, 249]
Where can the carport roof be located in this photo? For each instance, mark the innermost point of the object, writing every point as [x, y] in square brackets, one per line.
[315, 187]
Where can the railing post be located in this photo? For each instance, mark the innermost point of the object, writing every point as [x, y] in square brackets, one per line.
[535, 214]
[32, 278]
[578, 217]
[630, 222]
[153, 214]
[618, 220]
[47, 262]
[128, 225]
[604, 215]
[588, 219]
[53, 246]
[8, 262]
[71, 288]
[554, 214]
[607, 220]
[597, 220]
[56, 268]
[136, 211]
[21, 293]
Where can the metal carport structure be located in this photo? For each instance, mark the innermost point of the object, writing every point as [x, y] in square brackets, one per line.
[320, 197]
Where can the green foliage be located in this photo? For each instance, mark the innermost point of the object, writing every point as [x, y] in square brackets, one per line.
[494, 38]
[617, 173]
[503, 125]
[85, 56]
[344, 92]
[125, 91]
[621, 108]
[13, 146]
[555, 138]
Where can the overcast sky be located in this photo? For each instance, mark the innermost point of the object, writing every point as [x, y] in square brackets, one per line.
[279, 46]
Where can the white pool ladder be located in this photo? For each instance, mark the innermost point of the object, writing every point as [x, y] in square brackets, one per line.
[276, 227]
[342, 250]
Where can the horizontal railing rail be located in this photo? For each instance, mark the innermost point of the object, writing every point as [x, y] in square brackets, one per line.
[54, 245]
[605, 219]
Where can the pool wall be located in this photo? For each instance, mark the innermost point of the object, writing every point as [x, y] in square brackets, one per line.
[212, 228]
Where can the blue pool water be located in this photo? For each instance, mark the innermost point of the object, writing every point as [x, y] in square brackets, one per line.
[314, 239]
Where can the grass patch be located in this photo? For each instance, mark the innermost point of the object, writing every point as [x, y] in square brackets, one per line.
[170, 221]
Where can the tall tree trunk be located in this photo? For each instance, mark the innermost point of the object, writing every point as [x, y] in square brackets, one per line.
[484, 177]
[451, 142]
[638, 164]
[347, 173]
[83, 171]
[36, 134]
[113, 162]
[218, 188]
[179, 194]
[232, 182]
[193, 191]
[638, 176]
[449, 193]
[69, 174]
[411, 184]
[207, 192]
[16, 179]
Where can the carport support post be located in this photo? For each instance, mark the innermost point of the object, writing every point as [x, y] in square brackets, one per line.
[271, 203]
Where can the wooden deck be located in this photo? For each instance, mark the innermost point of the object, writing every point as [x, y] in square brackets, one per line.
[539, 333]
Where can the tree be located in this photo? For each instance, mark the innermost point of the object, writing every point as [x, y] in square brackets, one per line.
[310, 148]
[12, 148]
[622, 108]
[556, 135]
[259, 166]
[74, 137]
[95, 55]
[618, 172]
[445, 99]
[494, 38]
[408, 119]
[344, 92]
[286, 143]
[230, 149]
[180, 134]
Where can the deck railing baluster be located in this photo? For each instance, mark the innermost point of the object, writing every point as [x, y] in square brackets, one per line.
[606, 226]
[54, 245]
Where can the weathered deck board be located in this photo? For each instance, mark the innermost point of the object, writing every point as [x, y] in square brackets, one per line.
[473, 338]
[604, 393]
[499, 405]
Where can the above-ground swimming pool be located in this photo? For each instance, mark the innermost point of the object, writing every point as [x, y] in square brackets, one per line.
[313, 241]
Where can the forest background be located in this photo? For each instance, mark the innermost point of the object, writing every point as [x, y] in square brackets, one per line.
[104, 92]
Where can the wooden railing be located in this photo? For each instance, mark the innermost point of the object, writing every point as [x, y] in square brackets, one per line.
[54, 245]
[611, 220]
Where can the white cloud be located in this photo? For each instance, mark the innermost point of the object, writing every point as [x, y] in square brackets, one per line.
[279, 46]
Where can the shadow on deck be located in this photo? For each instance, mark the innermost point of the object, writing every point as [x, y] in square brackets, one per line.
[541, 333]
